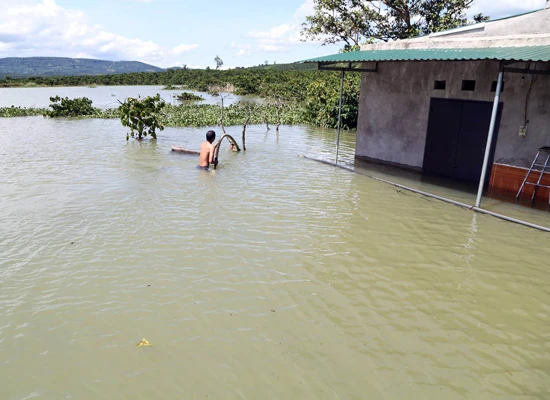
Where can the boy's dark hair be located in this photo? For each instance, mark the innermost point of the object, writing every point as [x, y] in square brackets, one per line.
[210, 136]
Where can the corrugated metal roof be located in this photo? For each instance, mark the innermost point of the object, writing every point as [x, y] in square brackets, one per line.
[528, 53]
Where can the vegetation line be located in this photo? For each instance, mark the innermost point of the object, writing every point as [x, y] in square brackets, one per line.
[297, 88]
[194, 115]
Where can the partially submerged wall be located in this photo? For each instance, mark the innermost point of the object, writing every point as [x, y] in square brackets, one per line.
[395, 102]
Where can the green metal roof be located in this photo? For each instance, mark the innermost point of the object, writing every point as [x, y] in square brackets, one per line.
[527, 53]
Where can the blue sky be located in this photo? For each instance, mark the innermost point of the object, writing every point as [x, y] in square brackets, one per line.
[171, 32]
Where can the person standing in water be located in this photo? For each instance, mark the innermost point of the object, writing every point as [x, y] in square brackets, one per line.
[206, 156]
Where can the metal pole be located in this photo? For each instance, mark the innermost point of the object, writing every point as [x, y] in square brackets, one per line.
[339, 116]
[489, 139]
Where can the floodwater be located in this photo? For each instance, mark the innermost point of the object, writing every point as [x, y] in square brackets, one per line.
[101, 96]
[274, 277]
[466, 193]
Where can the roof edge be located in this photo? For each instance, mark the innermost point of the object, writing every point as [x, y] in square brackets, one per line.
[530, 53]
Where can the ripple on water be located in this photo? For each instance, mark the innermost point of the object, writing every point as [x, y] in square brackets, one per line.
[272, 275]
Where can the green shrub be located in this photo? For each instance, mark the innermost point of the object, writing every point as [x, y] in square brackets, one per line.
[141, 115]
[235, 114]
[66, 107]
[187, 96]
[322, 101]
[8, 112]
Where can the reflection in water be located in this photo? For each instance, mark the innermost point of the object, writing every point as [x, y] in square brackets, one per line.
[471, 248]
[466, 256]
[273, 276]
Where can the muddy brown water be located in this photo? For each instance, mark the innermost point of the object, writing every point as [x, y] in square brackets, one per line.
[274, 277]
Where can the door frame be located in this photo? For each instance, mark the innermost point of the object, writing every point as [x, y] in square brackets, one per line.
[495, 135]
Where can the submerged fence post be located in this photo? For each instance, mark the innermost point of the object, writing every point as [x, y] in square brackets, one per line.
[489, 139]
[339, 116]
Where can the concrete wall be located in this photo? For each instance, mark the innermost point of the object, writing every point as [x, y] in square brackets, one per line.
[528, 24]
[394, 109]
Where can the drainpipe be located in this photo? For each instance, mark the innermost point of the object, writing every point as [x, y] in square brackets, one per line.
[340, 115]
[490, 138]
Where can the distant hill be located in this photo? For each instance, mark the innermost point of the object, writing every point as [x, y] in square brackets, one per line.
[16, 67]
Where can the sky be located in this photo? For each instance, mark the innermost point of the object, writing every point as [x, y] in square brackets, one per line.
[169, 33]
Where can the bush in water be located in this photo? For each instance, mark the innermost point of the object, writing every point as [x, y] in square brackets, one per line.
[141, 115]
[8, 112]
[197, 115]
[188, 96]
[71, 107]
[234, 114]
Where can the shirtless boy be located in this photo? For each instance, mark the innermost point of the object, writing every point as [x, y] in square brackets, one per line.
[207, 152]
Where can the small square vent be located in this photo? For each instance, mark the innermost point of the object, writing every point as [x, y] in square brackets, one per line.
[440, 85]
[468, 86]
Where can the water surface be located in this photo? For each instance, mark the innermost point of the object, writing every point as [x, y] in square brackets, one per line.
[101, 96]
[274, 277]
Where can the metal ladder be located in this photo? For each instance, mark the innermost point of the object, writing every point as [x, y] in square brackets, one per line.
[537, 184]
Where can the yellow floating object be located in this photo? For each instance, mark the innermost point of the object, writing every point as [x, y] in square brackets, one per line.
[143, 342]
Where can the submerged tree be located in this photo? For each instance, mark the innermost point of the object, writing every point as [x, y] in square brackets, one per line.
[141, 115]
[354, 22]
[248, 107]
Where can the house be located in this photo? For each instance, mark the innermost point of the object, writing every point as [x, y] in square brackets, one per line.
[427, 103]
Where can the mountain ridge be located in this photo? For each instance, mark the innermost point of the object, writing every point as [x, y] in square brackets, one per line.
[22, 67]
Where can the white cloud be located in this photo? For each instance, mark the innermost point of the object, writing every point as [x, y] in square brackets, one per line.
[182, 48]
[279, 38]
[305, 9]
[84, 55]
[275, 33]
[273, 48]
[47, 29]
[244, 49]
[286, 36]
